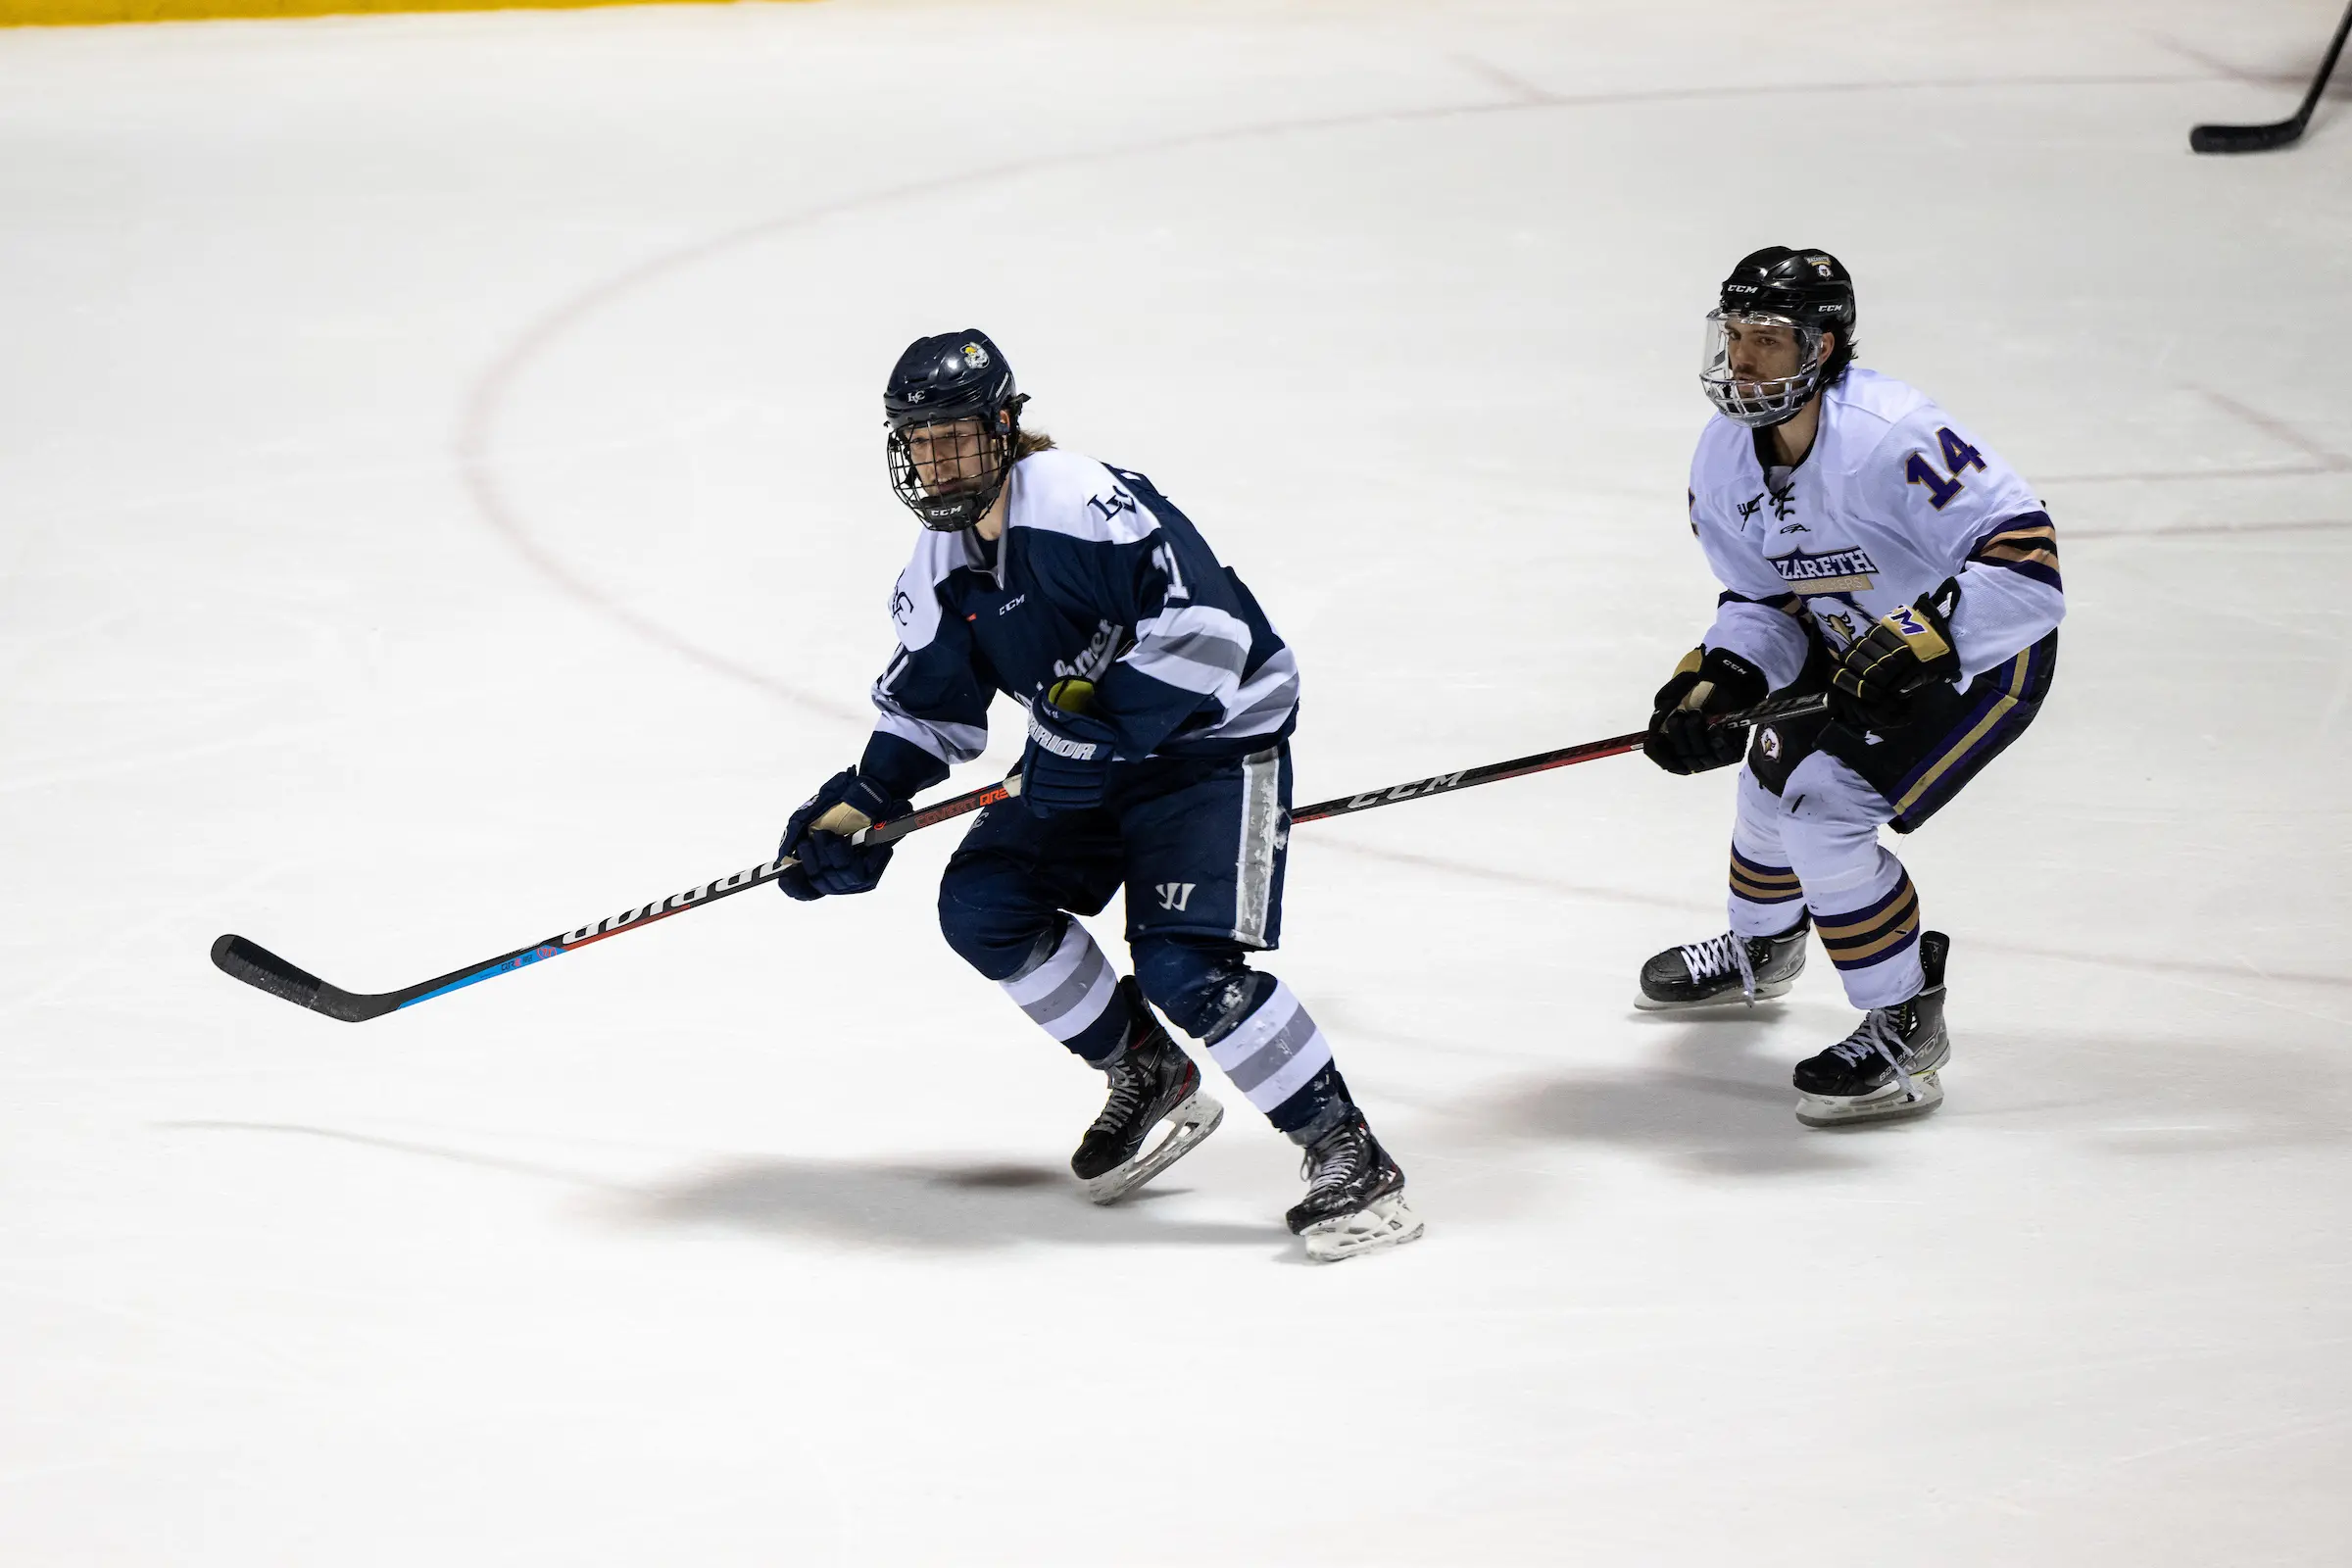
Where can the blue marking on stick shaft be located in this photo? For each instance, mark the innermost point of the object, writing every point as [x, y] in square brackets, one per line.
[548, 950]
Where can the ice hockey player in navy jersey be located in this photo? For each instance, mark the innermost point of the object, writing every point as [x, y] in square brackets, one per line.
[1160, 704]
[1867, 546]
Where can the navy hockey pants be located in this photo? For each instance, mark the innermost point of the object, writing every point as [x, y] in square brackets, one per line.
[1198, 846]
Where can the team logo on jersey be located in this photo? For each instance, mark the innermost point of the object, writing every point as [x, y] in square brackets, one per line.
[1832, 572]
[1112, 505]
[975, 356]
[901, 605]
[1768, 741]
[1783, 503]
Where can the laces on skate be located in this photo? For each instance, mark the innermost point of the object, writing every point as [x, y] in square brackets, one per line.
[1342, 1157]
[1879, 1034]
[1719, 956]
[1128, 1084]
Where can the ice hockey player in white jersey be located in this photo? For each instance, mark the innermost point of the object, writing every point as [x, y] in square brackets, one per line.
[1871, 547]
[1160, 704]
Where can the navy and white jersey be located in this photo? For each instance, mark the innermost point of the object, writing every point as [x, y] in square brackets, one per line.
[1098, 577]
[1894, 498]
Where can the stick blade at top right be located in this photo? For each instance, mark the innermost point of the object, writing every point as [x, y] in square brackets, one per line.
[2245, 138]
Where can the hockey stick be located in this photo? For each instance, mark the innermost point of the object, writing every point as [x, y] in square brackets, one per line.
[2286, 132]
[1544, 761]
[258, 967]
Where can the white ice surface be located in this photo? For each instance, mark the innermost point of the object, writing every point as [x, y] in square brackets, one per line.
[441, 502]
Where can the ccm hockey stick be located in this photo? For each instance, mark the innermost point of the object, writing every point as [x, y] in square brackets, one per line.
[258, 967]
[1544, 761]
[2286, 132]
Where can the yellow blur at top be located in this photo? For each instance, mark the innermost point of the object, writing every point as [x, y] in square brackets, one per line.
[86, 13]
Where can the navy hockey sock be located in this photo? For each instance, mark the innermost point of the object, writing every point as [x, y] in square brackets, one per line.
[1067, 988]
[1254, 1028]
[1321, 1104]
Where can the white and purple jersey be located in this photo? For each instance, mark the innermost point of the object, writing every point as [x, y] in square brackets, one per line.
[1098, 577]
[1894, 498]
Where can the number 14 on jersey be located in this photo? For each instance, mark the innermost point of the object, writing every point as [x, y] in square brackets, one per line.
[1958, 456]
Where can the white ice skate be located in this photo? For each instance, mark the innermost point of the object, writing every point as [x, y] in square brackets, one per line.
[1385, 1222]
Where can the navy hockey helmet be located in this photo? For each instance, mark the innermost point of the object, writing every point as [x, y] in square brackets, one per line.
[955, 428]
[1808, 290]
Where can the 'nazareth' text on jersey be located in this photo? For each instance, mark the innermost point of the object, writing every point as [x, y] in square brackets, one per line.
[1893, 499]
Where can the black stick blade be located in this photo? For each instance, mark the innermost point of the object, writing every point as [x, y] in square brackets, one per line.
[265, 970]
[2287, 133]
[2246, 139]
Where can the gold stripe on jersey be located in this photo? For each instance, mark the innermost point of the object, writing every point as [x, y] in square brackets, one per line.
[2037, 544]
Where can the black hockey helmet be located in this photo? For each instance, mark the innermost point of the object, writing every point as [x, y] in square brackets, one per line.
[1809, 289]
[953, 396]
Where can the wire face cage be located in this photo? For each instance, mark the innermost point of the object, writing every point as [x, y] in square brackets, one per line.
[950, 471]
[1749, 399]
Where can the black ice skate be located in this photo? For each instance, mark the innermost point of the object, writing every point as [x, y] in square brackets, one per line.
[1723, 969]
[1887, 1067]
[1354, 1195]
[1152, 1080]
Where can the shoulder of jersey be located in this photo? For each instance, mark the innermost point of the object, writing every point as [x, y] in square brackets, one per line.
[1065, 493]
[1724, 448]
[1879, 401]
[915, 598]
[936, 554]
[1874, 406]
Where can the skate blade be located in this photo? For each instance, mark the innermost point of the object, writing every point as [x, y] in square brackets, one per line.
[1889, 1103]
[1769, 993]
[1190, 1123]
[1385, 1222]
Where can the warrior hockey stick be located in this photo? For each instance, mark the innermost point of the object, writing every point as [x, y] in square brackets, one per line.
[258, 966]
[2285, 134]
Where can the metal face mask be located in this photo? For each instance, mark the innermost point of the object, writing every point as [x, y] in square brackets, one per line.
[1760, 369]
[948, 472]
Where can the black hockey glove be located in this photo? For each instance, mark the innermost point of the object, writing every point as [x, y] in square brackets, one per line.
[1709, 681]
[828, 861]
[1882, 672]
[1067, 765]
